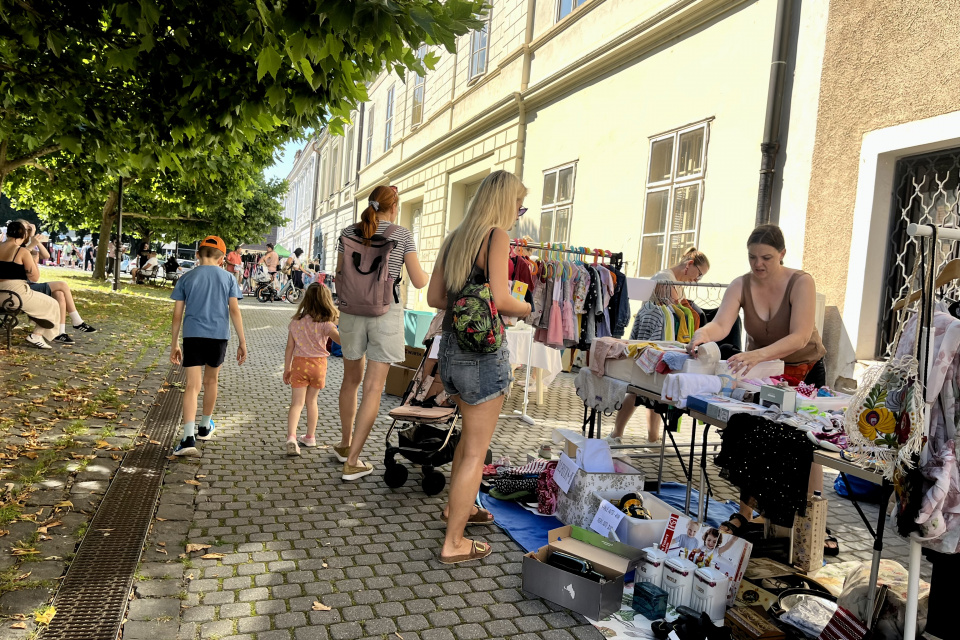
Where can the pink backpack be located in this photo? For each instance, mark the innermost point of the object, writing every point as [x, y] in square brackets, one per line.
[364, 285]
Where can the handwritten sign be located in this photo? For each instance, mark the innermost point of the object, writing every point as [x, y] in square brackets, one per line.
[607, 518]
[565, 473]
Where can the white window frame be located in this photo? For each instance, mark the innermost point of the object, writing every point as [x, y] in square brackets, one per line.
[419, 84]
[323, 173]
[370, 115]
[554, 206]
[334, 168]
[348, 154]
[476, 51]
[388, 123]
[573, 7]
[671, 184]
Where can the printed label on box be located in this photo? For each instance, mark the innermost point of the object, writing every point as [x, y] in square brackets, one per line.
[565, 472]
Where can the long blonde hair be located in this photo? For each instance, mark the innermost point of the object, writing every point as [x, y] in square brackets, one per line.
[494, 205]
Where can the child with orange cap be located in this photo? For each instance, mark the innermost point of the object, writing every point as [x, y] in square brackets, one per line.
[207, 299]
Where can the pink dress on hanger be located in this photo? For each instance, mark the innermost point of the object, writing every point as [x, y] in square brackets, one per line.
[555, 330]
[569, 322]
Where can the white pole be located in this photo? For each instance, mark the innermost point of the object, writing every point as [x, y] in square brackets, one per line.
[913, 592]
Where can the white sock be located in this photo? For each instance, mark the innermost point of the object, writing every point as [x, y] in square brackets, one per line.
[75, 317]
[63, 328]
[188, 429]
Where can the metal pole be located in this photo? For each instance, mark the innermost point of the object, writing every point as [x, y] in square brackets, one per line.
[118, 250]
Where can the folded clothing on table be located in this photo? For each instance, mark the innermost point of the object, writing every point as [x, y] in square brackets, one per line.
[677, 387]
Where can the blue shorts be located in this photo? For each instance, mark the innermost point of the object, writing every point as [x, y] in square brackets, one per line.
[41, 287]
[475, 377]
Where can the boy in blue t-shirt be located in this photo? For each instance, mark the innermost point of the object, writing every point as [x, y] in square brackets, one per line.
[207, 300]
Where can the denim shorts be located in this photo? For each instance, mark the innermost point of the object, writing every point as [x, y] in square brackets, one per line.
[475, 377]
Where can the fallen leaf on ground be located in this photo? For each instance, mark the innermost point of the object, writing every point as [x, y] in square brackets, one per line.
[24, 551]
[45, 616]
[23, 576]
[396, 633]
[193, 482]
[163, 551]
[319, 606]
[31, 454]
[161, 544]
[19, 625]
[212, 556]
[103, 444]
[203, 475]
[4, 532]
[115, 456]
[161, 519]
[154, 442]
[324, 565]
[66, 504]
[196, 547]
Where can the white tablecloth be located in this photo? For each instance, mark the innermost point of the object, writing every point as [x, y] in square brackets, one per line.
[543, 357]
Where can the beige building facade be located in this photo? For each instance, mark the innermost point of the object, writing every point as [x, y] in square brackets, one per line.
[635, 126]
[887, 152]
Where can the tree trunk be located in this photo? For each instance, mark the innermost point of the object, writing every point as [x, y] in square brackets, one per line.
[106, 229]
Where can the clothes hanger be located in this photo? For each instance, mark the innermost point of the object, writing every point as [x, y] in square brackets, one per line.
[949, 273]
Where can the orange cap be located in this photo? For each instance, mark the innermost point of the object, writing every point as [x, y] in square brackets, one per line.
[215, 242]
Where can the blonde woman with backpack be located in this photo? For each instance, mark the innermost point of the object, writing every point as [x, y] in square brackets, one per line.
[470, 283]
[371, 256]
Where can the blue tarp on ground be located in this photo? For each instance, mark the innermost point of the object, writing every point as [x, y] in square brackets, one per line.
[530, 530]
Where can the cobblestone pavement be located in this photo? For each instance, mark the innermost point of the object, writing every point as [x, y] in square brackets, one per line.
[292, 534]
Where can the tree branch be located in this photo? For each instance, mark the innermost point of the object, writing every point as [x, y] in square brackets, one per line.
[37, 165]
[29, 158]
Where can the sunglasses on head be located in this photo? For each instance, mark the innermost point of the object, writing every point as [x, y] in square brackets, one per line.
[522, 211]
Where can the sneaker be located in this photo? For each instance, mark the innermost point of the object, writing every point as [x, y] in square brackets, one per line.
[63, 338]
[38, 342]
[84, 327]
[355, 473]
[206, 433]
[341, 453]
[546, 451]
[613, 440]
[187, 447]
[310, 442]
[293, 449]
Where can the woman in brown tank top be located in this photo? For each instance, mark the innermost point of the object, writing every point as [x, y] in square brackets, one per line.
[779, 308]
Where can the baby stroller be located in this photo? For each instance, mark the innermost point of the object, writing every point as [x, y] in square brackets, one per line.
[427, 429]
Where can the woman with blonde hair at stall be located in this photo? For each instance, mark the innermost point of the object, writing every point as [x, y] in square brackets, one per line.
[476, 373]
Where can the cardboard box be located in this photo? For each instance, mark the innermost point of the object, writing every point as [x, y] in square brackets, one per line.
[707, 547]
[412, 357]
[398, 379]
[751, 623]
[579, 505]
[786, 399]
[809, 534]
[582, 595]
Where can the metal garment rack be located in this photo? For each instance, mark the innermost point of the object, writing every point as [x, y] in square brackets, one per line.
[936, 233]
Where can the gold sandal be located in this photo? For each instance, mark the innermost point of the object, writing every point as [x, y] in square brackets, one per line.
[478, 551]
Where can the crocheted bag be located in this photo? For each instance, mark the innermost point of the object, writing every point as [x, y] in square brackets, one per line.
[885, 419]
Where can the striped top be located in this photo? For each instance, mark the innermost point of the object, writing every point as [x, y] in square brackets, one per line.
[401, 236]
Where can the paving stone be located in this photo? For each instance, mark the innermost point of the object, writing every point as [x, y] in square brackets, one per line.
[216, 629]
[254, 624]
[23, 600]
[137, 630]
[153, 608]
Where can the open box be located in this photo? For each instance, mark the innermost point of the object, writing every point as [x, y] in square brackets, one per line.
[638, 533]
[582, 595]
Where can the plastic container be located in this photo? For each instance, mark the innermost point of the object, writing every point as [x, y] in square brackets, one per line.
[837, 403]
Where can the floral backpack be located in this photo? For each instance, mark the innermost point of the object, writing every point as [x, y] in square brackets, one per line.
[885, 420]
[476, 321]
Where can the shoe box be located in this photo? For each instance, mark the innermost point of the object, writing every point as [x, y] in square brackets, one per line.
[398, 379]
[588, 597]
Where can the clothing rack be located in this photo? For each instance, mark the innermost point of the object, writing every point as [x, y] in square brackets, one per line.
[925, 355]
[616, 258]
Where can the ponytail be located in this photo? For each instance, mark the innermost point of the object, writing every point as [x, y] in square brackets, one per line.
[382, 199]
[698, 257]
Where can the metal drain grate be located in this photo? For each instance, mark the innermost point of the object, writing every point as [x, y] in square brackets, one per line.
[93, 596]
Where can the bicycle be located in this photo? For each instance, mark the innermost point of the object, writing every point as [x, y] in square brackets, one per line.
[267, 292]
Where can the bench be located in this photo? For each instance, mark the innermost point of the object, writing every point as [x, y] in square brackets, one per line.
[171, 276]
[11, 305]
[147, 275]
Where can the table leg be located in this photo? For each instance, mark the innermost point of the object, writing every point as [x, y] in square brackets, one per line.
[693, 444]
[704, 498]
[663, 453]
[887, 489]
[539, 387]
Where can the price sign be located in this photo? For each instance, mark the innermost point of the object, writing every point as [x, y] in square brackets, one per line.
[565, 472]
[607, 518]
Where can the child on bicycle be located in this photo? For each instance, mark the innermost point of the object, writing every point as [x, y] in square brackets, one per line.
[305, 360]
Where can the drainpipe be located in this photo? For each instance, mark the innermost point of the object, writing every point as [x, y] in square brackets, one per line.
[524, 83]
[770, 147]
[359, 142]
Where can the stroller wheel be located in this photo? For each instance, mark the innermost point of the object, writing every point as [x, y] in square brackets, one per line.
[395, 475]
[489, 458]
[433, 482]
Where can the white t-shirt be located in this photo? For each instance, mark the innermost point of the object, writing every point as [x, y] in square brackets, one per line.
[151, 263]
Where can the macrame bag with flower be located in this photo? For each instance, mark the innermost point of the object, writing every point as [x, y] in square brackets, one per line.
[476, 321]
[884, 422]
